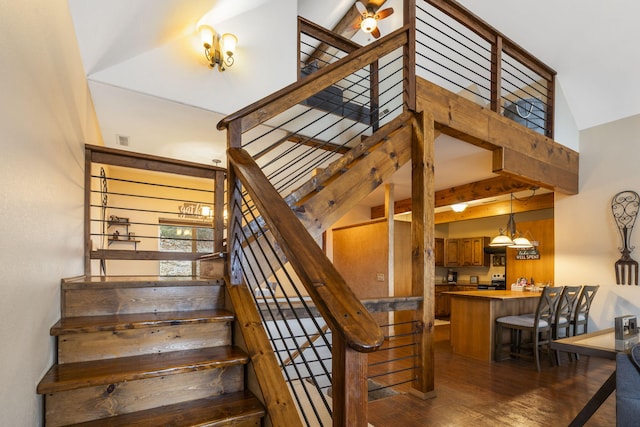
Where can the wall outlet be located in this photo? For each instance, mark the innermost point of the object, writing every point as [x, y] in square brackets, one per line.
[380, 277]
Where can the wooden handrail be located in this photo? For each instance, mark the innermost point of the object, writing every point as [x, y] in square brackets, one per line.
[291, 95]
[112, 156]
[331, 295]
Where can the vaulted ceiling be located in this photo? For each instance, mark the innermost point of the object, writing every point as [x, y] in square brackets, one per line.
[149, 80]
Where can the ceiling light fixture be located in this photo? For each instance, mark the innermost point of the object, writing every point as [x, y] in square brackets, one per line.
[369, 23]
[218, 49]
[510, 236]
[459, 207]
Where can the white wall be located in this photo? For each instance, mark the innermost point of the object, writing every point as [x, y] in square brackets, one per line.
[587, 239]
[45, 117]
[565, 130]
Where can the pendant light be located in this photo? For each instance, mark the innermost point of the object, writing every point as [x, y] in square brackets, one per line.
[509, 236]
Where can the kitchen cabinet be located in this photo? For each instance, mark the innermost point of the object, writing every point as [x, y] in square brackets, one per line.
[452, 252]
[466, 252]
[439, 251]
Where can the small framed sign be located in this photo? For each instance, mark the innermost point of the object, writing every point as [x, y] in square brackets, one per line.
[473, 280]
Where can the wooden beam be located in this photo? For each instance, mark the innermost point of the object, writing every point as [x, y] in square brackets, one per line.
[462, 193]
[470, 122]
[365, 146]
[316, 143]
[112, 156]
[542, 201]
[490, 187]
[124, 254]
[329, 205]
[519, 165]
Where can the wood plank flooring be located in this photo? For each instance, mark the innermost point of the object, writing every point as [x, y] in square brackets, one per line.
[509, 393]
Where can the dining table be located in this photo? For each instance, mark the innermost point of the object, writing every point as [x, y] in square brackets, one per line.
[601, 344]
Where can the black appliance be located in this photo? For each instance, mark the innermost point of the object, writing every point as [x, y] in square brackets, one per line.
[498, 283]
[452, 277]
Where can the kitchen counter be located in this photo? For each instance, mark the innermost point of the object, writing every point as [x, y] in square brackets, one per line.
[474, 314]
[499, 295]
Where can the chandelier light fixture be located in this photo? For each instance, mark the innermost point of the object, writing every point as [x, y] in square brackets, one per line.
[218, 49]
[510, 236]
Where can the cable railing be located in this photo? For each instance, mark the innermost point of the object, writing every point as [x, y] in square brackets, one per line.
[318, 331]
[461, 53]
[393, 368]
[147, 215]
[328, 121]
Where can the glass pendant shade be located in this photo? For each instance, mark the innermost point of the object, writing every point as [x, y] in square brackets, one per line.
[521, 243]
[501, 240]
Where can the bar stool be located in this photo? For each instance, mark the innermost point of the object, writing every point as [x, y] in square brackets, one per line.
[539, 324]
[564, 314]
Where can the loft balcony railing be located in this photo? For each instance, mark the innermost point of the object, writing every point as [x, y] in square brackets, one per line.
[459, 52]
[148, 215]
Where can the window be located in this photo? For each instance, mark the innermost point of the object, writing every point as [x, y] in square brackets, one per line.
[184, 236]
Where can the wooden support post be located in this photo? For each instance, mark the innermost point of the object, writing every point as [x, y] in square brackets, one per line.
[234, 207]
[389, 202]
[409, 53]
[87, 212]
[219, 208]
[349, 385]
[422, 249]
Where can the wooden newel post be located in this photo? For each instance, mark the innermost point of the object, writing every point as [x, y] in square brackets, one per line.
[349, 385]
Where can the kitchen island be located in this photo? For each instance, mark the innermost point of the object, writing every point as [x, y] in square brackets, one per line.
[474, 314]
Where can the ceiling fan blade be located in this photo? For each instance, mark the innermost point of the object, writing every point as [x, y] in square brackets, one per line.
[381, 14]
[361, 8]
[376, 33]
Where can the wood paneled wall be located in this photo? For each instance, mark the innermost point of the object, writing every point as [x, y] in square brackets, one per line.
[361, 252]
[541, 270]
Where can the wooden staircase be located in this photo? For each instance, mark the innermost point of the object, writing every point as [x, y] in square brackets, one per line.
[147, 352]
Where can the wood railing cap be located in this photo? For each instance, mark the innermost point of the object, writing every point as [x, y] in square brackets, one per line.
[329, 73]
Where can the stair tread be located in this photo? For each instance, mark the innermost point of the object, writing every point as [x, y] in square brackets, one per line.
[69, 376]
[108, 282]
[226, 409]
[120, 322]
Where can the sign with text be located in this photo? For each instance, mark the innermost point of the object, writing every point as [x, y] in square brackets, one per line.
[527, 254]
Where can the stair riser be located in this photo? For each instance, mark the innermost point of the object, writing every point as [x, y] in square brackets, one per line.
[105, 301]
[106, 345]
[90, 403]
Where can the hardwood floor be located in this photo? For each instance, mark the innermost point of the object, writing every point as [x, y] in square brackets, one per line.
[509, 393]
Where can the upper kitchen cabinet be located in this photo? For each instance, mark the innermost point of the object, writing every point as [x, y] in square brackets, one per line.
[466, 252]
[439, 251]
[452, 252]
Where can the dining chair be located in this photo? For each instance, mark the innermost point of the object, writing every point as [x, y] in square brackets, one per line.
[538, 324]
[581, 314]
[564, 314]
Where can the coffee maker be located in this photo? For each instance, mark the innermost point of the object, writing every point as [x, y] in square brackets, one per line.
[452, 276]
